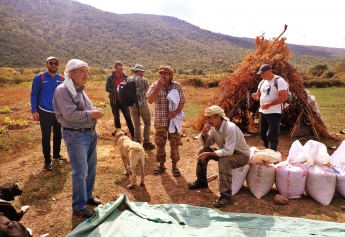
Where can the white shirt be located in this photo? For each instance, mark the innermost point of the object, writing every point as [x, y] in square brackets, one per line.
[269, 93]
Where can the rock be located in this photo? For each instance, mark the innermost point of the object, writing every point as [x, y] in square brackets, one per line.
[280, 199]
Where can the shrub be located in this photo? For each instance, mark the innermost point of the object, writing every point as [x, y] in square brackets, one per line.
[318, 70]
[328, 74]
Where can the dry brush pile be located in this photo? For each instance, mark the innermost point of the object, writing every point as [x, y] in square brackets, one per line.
[234, 92]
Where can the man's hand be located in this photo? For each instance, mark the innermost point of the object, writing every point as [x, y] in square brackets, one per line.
[256, 96]
[36, 116]
[203, 155]
[161, 82]
[206, 129]
[97, 113]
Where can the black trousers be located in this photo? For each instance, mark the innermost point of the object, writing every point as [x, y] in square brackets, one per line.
[47, 122]
[269, 130]
[115, 109]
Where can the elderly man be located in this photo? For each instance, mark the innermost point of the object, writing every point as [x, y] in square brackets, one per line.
[271, 105]
[233, 152]
[158, 93]
[41, 97]
[78, 118]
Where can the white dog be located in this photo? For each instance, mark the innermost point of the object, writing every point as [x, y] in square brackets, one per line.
[133, 153]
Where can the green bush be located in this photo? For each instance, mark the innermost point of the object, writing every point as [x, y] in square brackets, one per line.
[322, 83]
[328, 74]
[318, 70]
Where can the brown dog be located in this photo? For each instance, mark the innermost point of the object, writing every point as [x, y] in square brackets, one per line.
[133, 153]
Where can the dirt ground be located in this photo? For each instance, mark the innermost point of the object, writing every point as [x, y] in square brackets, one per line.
[49, 193]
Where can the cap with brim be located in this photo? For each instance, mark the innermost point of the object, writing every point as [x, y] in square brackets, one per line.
[138, 67]
[166, 69]
[263, 69]
[52, 57]
[119, 64]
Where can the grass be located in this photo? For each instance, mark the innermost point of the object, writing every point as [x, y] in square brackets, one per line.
[331, 102]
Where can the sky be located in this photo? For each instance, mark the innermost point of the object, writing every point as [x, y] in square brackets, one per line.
[310, 22]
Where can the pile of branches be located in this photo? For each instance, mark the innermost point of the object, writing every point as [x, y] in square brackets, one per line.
[234, 92]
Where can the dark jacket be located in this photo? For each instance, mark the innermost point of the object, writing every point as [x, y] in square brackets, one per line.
[111, 89]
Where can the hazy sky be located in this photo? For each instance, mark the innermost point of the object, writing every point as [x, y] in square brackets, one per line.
[310, 22]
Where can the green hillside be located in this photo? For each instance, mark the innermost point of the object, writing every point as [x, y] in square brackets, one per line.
[31, 30]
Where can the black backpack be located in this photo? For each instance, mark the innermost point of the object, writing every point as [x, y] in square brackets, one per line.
[127, 93]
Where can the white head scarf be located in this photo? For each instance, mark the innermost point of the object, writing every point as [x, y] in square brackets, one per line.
[214, 109]
[72, 64]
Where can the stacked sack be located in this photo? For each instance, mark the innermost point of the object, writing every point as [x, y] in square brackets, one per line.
[261, 175]
[238, 177]
[291, 174]
[337, 161]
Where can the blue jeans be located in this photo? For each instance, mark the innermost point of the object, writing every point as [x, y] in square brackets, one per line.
[269, 130]
[81, 148]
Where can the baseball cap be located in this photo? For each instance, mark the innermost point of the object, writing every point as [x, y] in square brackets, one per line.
[52, 57]
[264, 68]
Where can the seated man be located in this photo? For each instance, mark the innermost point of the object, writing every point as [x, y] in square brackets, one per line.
[233, 152]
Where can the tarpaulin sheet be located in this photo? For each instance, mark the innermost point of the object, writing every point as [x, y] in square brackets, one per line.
[179, 220]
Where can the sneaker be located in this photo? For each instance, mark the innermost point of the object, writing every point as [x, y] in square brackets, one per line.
[197, 184]
[59, 158]
[149, 145]
[48, 166]
[85, 213]
[222, 202]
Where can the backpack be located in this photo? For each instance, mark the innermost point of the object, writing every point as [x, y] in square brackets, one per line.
[289, 99]
[127, 93]
[42, 78]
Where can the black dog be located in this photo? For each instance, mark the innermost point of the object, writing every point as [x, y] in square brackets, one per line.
[9, 217]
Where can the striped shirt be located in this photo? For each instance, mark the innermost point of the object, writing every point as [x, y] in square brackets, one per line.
[73, 112]
[161, 104]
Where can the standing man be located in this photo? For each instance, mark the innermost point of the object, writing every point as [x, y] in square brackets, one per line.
[271, 106]
[78, 118]
[113, 81]
[142, 109]
[233, 152]
[41, 97]
[158, 93]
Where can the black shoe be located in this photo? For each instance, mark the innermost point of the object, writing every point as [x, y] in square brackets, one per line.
[149, 145]
[85, 213]
[197, 184]
[48, 166]
[222, 202]
[59, 158]
[94, 201]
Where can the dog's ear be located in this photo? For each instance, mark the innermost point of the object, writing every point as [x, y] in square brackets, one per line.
[5, 194]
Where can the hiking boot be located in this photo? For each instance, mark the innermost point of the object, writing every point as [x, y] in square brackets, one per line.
[149, 145]
[197, 184]
[94, 201]
[48, 166]
[59, 158]
[222, 202]
[85, 213]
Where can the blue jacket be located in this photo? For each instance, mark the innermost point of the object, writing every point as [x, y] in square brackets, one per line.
[42, 92]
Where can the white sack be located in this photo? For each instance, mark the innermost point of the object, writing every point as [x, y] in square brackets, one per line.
[291, 174]
[337, 161]
[321, 180]
[238, 177]
[260, 179]
[267, 156]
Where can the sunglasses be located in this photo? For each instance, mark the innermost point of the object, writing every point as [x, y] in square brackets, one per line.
[53, 63]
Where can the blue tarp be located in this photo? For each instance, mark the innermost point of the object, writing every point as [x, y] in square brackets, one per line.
[179, 220]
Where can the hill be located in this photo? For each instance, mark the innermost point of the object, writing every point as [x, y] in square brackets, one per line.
[33, 29]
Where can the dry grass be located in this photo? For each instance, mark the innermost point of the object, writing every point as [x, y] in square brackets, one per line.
[49, 193]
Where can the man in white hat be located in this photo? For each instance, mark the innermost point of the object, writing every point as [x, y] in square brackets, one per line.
[41, 97]
[233, 152]
[78, 118]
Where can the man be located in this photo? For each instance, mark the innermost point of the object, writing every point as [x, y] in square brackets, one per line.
[233, 152]
[158, 93]
[78, 118]
[142, 110]
[43, 87]
[271, 106]
[113, 81]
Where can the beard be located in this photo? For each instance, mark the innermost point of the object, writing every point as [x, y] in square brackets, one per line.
[52, 71]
